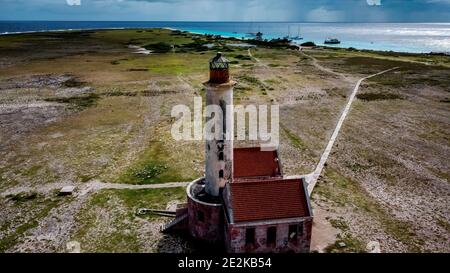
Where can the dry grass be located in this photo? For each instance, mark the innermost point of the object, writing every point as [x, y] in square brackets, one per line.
[107, 117]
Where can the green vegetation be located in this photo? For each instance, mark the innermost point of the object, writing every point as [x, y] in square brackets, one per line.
[378, 96]
[252, 81]
[443, 223]
[308, 44]
[154, 198]
[155, 166]
[243, 57]
[71, 83]
[415, 74]
[345, 242]
[150, 171]
[40, 209]
[118, 93]
[274, 43]
[198, 45]
[295, 140]
[23, 196]
[31, 171]
[122, 228]
[79, 101]
[372, 63]
[169, 64]
[345, 192]
[130, 36]
[160, 47]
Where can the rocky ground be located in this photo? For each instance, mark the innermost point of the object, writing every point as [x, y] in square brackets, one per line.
[81, 108]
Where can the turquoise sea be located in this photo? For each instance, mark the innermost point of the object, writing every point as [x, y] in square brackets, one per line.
[400, 37]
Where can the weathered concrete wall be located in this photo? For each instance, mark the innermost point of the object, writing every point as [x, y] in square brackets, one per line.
[211, 228]
[228, 208]
[235, 238]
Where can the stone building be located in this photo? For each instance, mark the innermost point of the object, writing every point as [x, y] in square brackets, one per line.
[243, 203]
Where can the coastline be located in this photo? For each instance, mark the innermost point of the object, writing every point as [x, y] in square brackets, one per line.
[396, 37]
[239, 36]
[59, 30]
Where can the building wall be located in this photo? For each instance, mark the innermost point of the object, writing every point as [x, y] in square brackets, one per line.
[219, 148]
[211, 228]
[235, 238]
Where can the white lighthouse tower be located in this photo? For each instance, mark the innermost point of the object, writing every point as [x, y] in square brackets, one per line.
[219, 152]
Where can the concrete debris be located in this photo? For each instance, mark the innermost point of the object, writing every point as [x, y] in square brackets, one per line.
[67, 190]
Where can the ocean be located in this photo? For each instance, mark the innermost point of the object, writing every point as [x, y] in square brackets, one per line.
[399, 37]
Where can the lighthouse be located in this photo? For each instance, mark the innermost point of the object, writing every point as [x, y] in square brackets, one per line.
[204, 215]
[243, 204]
[219, 146]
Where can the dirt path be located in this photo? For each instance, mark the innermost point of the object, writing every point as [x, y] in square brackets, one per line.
[93, 186]
[313, 177]
[256, 59]
[316, 64]
[98, 185]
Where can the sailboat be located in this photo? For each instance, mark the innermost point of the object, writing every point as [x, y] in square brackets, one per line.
[298, 37]
[288, 37]
[258, 35]
[250, 33]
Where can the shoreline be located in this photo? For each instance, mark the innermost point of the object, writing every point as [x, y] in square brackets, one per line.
[228, 37]
[60, 30]
[239, 36]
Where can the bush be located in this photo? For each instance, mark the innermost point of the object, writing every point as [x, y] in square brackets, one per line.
[308, 44]
[274, 43]
[197, 45]
[80, 101]
[242, 57]
[160, 47]
[378, 96]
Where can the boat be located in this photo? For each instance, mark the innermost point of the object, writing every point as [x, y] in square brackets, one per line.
[298, 37]
[250, 32]
[288, 37]
[259, 36]
[332, 41]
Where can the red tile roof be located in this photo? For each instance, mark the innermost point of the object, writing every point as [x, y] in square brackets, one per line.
[252, 162]
[268, 200]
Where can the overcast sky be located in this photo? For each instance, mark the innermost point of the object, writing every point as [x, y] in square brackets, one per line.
[229, 10]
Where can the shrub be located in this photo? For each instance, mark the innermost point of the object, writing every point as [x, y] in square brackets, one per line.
[308, 44]
[160, 47]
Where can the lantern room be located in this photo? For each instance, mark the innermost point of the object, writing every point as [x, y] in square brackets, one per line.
[219, 69]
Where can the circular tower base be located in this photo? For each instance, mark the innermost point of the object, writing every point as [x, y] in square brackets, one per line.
[205, 213]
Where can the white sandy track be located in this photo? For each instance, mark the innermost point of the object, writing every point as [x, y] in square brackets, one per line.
[316, 64]
[92, 186]
[256, 59]
[97, 185]
[314, 176]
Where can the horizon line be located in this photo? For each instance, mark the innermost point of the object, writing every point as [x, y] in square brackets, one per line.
[191, 21]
